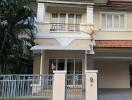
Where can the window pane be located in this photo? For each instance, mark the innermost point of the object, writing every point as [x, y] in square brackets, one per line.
[78, 19]
[116, 21]
[52, 65]
[61, 64]
[62, 18]
[54, 18]
[71, 23]
[78, 66]
[122, 21]
[109, 21]
[71, 18]
[103, 21]
[70, 66]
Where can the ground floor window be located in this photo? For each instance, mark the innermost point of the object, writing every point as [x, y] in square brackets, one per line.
[71, 65]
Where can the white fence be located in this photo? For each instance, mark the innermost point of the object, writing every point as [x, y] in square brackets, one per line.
[59, 86]
[26, 86]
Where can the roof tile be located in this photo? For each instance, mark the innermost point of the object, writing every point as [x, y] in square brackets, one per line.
[114, 43]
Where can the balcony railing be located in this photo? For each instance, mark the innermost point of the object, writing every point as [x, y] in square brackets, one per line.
[63, 27]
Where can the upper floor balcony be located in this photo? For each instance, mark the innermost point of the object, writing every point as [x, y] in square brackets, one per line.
[61, 25]
[52, 18]
[63, 28]
[62, 22]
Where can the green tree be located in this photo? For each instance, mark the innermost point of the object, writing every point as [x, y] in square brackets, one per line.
[16, 35]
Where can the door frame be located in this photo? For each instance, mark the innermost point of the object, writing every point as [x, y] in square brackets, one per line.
[66, 59]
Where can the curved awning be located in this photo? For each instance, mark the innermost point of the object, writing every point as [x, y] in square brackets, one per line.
[44, 47]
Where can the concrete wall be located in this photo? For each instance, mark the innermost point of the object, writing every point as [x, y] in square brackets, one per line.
[113, 73]
[77, 42]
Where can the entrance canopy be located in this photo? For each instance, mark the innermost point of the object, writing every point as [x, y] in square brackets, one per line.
[49, 47]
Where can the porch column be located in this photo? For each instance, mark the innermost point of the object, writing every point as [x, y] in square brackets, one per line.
[59, 85]
[85, 61]
[90, 63]
[41, 62]
[89, 14]
[37, 87]
[41, 12]
[91, 84]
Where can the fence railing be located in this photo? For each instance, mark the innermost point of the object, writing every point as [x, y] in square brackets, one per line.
[66, 86]
[64, 27]
[26, 86]
[75, 87]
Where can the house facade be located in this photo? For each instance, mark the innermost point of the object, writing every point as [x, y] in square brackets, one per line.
[79, 35]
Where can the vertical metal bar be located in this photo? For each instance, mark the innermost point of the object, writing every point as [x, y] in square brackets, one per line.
[19, 86]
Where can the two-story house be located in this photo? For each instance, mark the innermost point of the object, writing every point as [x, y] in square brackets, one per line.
[75, 35]
[112, 20]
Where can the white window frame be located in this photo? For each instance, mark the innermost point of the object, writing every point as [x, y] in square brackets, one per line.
[67, 14]
[66, 17]
[114, 29]
[65, 68]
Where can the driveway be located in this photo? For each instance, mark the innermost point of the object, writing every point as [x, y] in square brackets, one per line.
[115, 94]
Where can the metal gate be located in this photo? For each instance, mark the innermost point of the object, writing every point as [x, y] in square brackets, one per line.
[75, 87]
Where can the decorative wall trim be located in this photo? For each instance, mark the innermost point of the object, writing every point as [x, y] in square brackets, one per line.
[63, 35]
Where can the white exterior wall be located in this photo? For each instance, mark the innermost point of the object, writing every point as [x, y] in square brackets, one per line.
[113, 73]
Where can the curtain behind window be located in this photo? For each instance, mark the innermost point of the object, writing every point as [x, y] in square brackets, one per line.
[109, 21]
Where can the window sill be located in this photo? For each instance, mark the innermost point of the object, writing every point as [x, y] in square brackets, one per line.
[114, 30]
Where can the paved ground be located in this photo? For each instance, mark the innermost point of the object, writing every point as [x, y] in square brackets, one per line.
[104, 94]
[115, 94]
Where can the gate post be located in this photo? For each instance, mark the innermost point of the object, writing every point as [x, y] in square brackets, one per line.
[59, 85]
[91, 84]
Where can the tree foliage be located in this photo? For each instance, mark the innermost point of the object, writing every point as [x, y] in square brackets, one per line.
[16, 35]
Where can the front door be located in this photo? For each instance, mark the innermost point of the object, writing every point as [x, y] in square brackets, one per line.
[74, 66]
